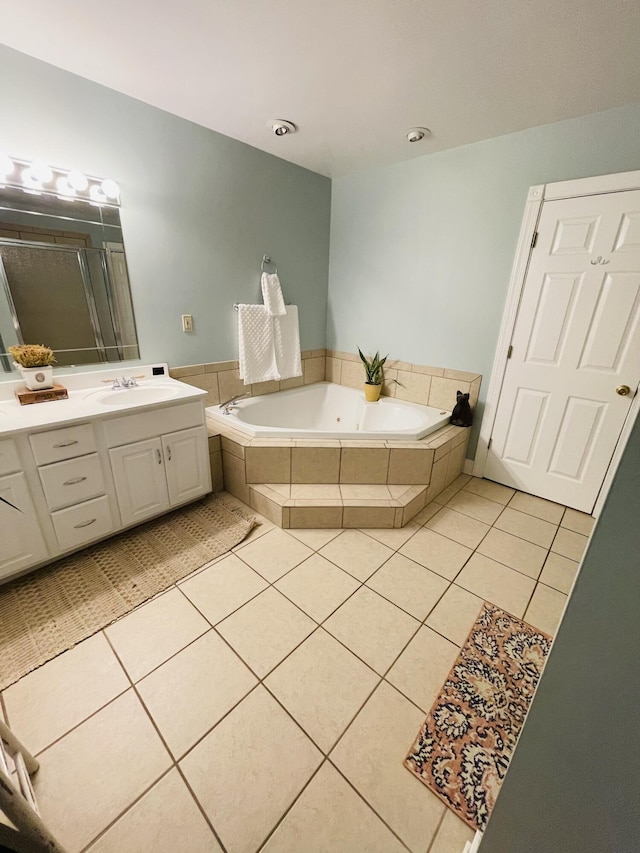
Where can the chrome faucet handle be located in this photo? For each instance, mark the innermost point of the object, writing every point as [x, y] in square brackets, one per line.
[116, 384]
[128, 382]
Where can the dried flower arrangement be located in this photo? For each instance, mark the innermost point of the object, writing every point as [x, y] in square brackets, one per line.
[32, 355]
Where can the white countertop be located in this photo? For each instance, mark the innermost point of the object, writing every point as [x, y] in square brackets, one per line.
[91, 397]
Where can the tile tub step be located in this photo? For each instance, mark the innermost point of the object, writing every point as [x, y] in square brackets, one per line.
[319, 505]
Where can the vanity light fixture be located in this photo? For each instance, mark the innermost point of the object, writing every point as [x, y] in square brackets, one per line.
[281, 127]
[417, 134]
[39, 177]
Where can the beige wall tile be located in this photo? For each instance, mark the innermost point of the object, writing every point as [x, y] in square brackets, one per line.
[474, 391]
[413, 387]
[323, 516]
[395, 364]
[390, 383]
[352, 374]
[187, 370]
[414, 507]
[217, 366]
[438, 478]
[333, 367]
[294, 382]
[313, 369]
[443, 392]
[264, 388]
[268, 464]
[230, 384]
[455, 463]
[208, 382]
[234, 477]
[313, 353]
[217, 479]
[315, 465]
[424, 368]
[410, 466]
[231, 446]
[271, 509]
[365, 465]
[368, 516]
[460, 375]
[346, 356]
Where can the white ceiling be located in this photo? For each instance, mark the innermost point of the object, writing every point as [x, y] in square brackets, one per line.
[354, 75]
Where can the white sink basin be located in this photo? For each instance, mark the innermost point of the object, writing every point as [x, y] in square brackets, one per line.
[139, 396]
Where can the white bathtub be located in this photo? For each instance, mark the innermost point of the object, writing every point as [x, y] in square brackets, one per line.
[327, 411]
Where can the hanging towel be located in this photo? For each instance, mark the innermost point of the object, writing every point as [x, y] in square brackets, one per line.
[287, 343]
[272, 294]
[256, 344]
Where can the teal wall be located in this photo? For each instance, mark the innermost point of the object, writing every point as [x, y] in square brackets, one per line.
[421, 251]
[198, 209]
[573, 784]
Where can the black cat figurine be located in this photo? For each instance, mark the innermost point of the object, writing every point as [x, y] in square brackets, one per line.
[461, 414]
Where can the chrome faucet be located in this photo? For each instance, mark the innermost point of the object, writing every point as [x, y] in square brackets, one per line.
[129, 382]
[229, 404]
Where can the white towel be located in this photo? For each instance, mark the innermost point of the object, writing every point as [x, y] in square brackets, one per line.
[287, 343]
[256, 344]
[272, 294]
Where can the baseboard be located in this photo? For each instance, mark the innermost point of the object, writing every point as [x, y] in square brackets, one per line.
[467, 468]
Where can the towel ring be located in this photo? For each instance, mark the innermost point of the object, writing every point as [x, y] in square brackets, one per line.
[266, 259]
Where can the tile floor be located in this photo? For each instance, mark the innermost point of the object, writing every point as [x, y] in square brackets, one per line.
[266, 702]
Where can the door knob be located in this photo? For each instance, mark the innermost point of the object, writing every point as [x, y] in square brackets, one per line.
[623, 390]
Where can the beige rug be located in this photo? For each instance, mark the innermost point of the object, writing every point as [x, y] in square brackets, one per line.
[51, 609]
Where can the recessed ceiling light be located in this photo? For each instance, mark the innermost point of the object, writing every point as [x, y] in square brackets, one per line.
[415, 134]
[281, 127]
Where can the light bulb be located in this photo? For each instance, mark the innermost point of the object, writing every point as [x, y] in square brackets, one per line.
[6, 166]
[63, 186]
[42, 172]
[77, 180]
[110, 188]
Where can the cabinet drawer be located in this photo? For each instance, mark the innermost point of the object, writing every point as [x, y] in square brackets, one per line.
[83, 522]
[73, 481]
[9, 459]
[65, 443]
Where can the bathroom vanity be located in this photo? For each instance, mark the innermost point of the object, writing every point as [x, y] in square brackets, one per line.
[75, 471]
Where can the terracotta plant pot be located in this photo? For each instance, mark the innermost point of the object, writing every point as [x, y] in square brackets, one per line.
[372, 392]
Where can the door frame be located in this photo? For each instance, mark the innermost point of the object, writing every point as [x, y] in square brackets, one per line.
[537, 195]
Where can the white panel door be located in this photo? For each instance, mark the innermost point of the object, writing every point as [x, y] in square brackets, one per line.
[186, 455]
[575, 346]
[141, 485]
[21, 541]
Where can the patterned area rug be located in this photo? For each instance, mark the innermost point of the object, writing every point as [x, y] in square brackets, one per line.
[464, 747]
[52, 609]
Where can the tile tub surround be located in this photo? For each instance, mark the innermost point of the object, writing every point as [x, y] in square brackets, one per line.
[301, 483]
[414, 383]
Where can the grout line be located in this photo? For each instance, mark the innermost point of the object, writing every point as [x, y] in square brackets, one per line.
[435, 834]
[174, 762]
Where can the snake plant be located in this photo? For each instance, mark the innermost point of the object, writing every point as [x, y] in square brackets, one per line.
[373, 367]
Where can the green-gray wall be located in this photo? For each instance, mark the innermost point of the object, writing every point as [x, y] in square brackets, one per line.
[573, 785]
[198, 209]
[421, 251]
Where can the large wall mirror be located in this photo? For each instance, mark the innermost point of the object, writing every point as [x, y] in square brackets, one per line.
[63, 272]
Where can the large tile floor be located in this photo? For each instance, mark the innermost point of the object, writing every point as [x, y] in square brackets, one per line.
[267, 701]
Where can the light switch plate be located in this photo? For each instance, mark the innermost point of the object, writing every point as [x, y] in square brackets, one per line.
[187, 323]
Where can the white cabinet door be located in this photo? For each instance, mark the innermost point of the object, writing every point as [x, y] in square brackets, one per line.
[21, 541]
[575, 362]
[141, 486]
[186, 458]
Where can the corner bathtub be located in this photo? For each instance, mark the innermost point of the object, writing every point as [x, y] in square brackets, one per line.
[328, 411]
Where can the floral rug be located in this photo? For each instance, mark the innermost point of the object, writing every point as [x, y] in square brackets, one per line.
[465, 745]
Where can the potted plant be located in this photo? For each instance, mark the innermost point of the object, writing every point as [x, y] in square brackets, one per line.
[34, 363]
[373, 369]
